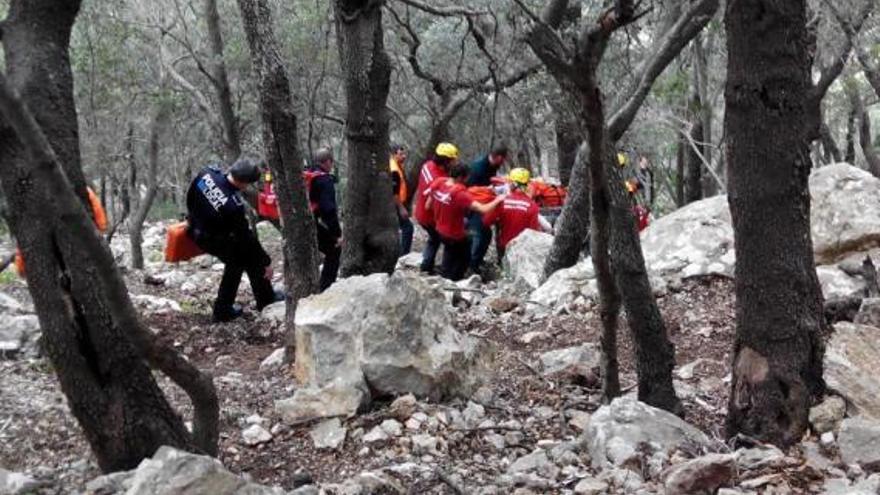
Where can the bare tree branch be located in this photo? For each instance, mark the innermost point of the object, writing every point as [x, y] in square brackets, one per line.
[691, 22]
[443, 11]
[851, 29]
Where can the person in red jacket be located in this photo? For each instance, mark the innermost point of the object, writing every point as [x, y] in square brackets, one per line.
[451, 203]
[516, 213]
[445, 155]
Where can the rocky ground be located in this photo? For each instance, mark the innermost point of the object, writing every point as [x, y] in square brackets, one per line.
[535, 425]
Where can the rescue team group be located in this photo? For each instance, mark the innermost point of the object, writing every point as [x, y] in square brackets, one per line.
[457, 205]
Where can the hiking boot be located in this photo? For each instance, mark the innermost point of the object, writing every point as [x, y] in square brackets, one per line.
[228, 314]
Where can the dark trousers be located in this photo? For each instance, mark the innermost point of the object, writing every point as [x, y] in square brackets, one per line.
[431, 248]
[481, 239]
[456, 257]
[332, 253]
[406, 234]
[237, 258]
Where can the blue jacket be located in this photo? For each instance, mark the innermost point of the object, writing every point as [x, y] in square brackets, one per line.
[480, 172]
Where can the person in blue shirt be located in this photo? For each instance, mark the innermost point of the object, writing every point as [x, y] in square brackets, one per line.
[218, 225]
[481, 172]
[322, 201]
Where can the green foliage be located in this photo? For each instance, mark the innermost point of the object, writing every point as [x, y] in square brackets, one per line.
[672, 88]
[8, 276]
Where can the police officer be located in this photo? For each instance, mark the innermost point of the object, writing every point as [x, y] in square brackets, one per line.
[217, 223]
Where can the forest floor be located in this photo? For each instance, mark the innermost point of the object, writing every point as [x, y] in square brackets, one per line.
[39, 435]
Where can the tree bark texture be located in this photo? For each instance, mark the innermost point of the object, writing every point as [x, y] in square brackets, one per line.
[829, 146]
[872, 157]
[220, 81]
[284, 156]
[97, 345]
[777, 364]
[157, 128]
[370, 231]
[122, 187]
[573, 225]
[568, 139]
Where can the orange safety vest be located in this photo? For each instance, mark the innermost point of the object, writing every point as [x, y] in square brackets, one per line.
[402, 193]
[99, 216]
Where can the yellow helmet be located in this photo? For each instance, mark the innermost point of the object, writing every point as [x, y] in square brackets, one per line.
[447, 150]
[519, 175]
[621, 159]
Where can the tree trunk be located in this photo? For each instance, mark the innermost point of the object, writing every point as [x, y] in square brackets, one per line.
[284, 157]
[701, 84]
[694, 172]
[680, 169]
[868, 148]
[568, 139]
[829, 146]
[135, 230]
[609, 295]
[777, 364]
[220, 81]
[573, 224]
[852, 94]
[370, 231]
[655, 355]
[97, 345]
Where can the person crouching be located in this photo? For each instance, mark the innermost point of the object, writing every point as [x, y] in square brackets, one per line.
[218, 225]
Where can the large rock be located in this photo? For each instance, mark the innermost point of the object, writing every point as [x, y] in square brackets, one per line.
[827, 415]
[836, 283]
[579, 358]
[620, 431]
[859, 443]
[691, 241]
[339, 398]
[701, 475]
[12, 483]
[394, 333]
[852, 366]
[845, 211]
[566, 285]
[9, 304]
[869, 312]
[174, 472]
[524, 259]
[578, 284]
[274, 313]
[19, 335]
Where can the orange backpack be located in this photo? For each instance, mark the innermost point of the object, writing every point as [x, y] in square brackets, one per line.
[179, 246]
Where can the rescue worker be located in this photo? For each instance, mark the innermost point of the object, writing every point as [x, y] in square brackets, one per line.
[401, 195]
[322, 201]
[445, 155]
[517, 212]
[218, 225]
[450, 203]
[481, 173]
